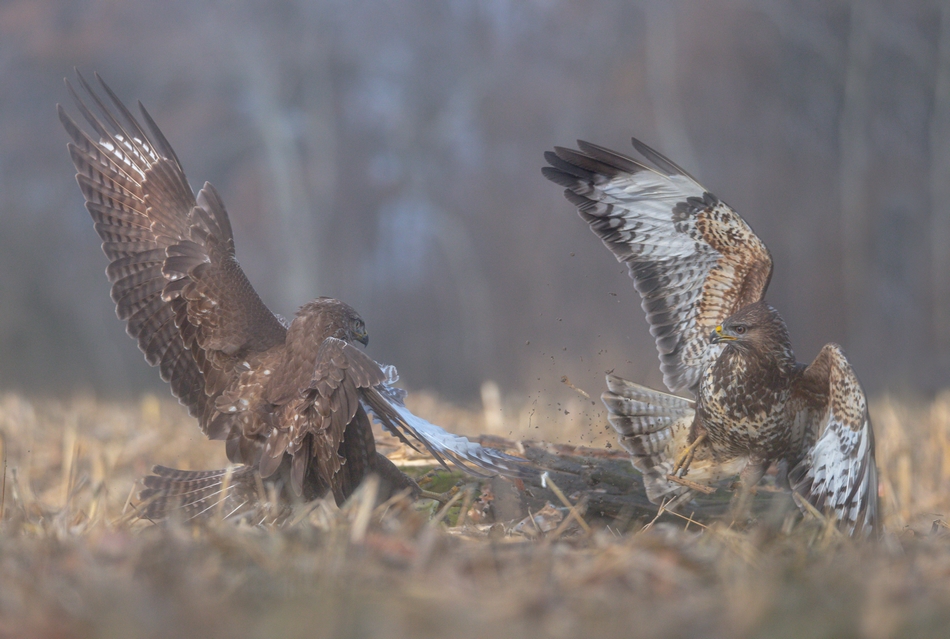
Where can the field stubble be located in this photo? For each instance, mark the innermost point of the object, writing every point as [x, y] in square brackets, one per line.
[76, 562]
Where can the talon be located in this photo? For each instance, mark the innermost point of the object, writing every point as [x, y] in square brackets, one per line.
[686, 457]
[426, 479]
[442, 498]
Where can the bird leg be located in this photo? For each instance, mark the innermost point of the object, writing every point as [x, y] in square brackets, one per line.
[393, 480]
[741, 507]
[685, 458]
[426, 481]
[442, 498]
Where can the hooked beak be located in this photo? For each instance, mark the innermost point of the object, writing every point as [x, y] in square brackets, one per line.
[717, 336]
[362, 338]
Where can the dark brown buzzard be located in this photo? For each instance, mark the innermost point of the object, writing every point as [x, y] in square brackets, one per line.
[293, 401]
[702, 275]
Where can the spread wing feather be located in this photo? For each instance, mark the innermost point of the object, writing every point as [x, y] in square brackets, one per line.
[693, 260]
[386, 404]
[838, 473]
[174, 277]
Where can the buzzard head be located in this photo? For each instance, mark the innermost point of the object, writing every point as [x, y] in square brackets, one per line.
[357, 330]
[756, 327]
[351, 326]
[326, 317]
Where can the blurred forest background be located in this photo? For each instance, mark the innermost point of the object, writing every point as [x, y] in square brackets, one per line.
[389, 154]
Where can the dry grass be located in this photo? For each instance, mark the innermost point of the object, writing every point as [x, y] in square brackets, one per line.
[75, 563]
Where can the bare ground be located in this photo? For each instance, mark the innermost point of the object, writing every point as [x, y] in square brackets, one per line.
[76, 562]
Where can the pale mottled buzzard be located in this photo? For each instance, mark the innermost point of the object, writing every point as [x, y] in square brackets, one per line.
[293, 402]
[702, 275]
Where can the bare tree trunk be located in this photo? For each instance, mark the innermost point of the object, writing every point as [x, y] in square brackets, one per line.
[474, 293]
[321, 132]
[855, 153]
[297, 222]
[661, 82]
[940, 194]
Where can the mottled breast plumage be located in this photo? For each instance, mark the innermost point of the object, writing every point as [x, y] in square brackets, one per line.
[744, 393]
[740, 411]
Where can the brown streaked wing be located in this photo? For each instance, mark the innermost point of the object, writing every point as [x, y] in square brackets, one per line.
[331, 399]
[693, 260]
[359, 449]
[172, 268]
[837, 473]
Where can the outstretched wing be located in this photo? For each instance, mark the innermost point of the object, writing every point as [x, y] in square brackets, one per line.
[386, 403]
[174, 277]
[692, 258]
[838, 473]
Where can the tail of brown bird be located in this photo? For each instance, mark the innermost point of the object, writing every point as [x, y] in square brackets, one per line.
[195, 494]
[239, 492]
[654, 427]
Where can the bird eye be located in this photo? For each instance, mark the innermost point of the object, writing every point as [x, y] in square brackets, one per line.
[740, 330]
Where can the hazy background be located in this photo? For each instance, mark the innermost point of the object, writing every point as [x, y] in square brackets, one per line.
[389, 153]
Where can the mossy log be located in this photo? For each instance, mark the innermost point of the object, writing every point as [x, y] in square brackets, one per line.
[606, 487]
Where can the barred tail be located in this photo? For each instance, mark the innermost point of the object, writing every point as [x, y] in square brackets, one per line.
[239, 491]
[652, 426]
[194, 494]
[655, 426]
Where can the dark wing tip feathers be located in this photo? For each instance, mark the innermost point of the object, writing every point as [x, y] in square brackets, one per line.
[611, 158]
[592, 159]
[114, 160]
[159, 138]
[128, 126]
[660, 161]
[590, 165]
[63, 117]
[209, 199]
[562, 165]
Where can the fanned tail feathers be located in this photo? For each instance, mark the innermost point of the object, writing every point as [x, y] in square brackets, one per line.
[654, 427]
[196, 494]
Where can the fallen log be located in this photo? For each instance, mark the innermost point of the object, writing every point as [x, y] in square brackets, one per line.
[601, 483]
[608, 488]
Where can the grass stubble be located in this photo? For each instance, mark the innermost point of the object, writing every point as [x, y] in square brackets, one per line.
[75, 561]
